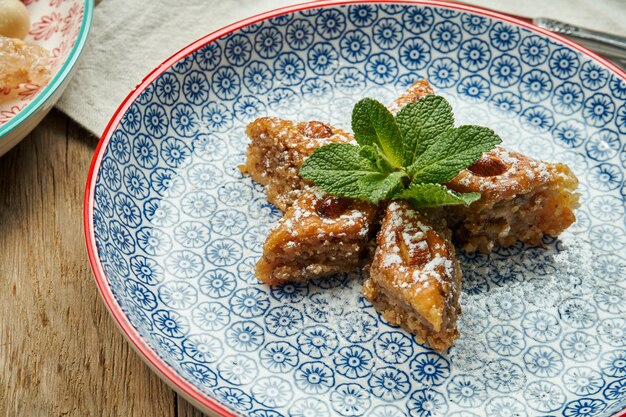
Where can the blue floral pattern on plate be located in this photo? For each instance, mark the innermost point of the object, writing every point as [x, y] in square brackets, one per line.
[178, 228]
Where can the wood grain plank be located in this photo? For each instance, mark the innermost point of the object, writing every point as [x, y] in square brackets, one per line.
[60, 352]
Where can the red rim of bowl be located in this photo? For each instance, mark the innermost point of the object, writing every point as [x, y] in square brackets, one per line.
[146, 353]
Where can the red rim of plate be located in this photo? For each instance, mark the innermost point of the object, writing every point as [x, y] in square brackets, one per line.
[147, 354]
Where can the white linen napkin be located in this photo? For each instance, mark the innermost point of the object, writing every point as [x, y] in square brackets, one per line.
[130, 38]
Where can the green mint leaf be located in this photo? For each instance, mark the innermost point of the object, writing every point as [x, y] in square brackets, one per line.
[381, 186]
[451, 152]
[421, 122]
[373, 124]
[376, 155]
[336, 168]
[432, 195]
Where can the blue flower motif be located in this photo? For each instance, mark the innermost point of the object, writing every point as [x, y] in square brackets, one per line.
[417, 19]
[505, 70]
[167, 88]
[505, 340]
[392, 8]
[249, 302]
[226, 83]
[505, 103]
[381, 68]
[228, 222]
[613, 363]
[238, 50]
[466, 391]
[598, 109]
[537, 119]
[146, 96]
[204, 176]
[234, 194]
[585, 407]
[210, 316]
[317, 341]
[615, 390]
[620, 119]
[209, 147]
[284, 321]
[175, 152]
[317, 91]
[358, 326]
[593, 76]
[245, 336]
[613, 331]
[474, 24]
[570, 133]
[564, 63]
[387, 33]
[167, 346]
[505, 407]
[127, 210]
[567, 98]
[160, 212]
[503, 36]
[446, 36]
[427, 403]
[257, 77]
[389, 383]
[121, 237]
[153, 241]
[323, 58]
[350, 400]
[223, 252]
[414, 53]
[281, 20]
[200, 373]
[237, 369]
[504, 376]
[299, 34]
[349, 79]
[184, 264]
[279, 357]
[115, 258]
[170, 323]
[541, 326]
[609, 299]
[505, 306]
[131, 122]
[289, 68]
[582, 380]
[145, 151]
[314, 378]
[544, 396]
[475, 282]
[272, 391]
[217, 117]
[386, 411]
[305, 407]
[217, 283]
[474, 89]
[605, 177]
[209, 56]
[184, 120]
[610, 267]
[119, 146]
[196, 87]
[198, 204]
[536, 86]
[618, 87]
[111, 174]
[443, 73]
[178, 295]
[233, 397]
[155, 120]
[580, 346]
[268, 42]
[248, 108]
[103, 200]
[355, 46]
[100, 225]
[362, 15]
[474, 54]
[203, 348]
[330, 24]
[284, 100]
[353, 362]
[291, 292]
[140, 294]
[183, 66]
[578, 313]
[534, 50]
[396, 348]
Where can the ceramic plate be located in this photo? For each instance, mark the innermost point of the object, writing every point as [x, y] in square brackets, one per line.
[174, 229]
[60, 26]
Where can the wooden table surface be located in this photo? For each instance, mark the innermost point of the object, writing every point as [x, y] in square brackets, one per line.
[60, 351]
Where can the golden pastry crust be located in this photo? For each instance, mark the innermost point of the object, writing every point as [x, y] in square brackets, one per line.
[415, 279]
[278, 149]
[319, 235]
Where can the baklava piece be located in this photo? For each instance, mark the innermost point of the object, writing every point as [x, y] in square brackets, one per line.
[278, 149]
[415, 279]
[522, 199]
[319, 235]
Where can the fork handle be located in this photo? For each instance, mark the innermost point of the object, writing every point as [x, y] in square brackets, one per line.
[583, 33]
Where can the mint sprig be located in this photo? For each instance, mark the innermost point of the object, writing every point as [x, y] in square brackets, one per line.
[405, 157]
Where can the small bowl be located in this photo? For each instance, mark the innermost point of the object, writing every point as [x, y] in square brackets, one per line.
[61, 27]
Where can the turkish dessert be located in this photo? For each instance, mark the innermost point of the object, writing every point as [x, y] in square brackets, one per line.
[415, 280]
